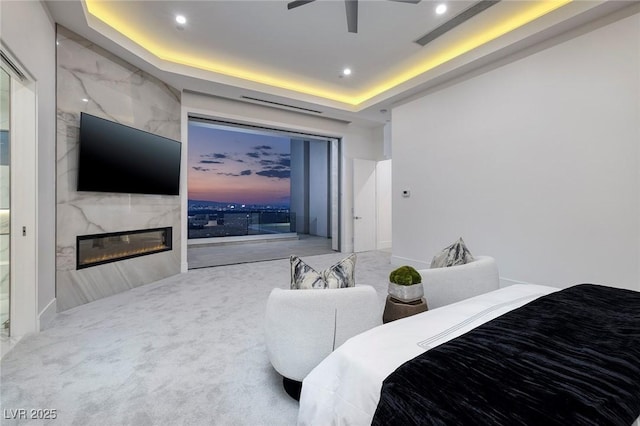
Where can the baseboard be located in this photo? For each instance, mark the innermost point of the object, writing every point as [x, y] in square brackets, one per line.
[382, 245]
[506, 282]
[418, 264]
[399, 260]
[48, 314]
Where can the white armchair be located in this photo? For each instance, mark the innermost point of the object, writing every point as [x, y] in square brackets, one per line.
[443, 286]
[302, 327]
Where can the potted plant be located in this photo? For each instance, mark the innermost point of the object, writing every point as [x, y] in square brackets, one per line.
[405, 284]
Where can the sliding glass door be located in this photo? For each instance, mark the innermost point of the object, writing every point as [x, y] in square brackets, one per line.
[245, 181]
[5, 212]
[18, 127]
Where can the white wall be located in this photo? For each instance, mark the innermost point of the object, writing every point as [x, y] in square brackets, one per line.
[310, 186]
[383, 204]
[29, 34]
[357, 142]
[535, 162]
[298, 204]
[319, 188]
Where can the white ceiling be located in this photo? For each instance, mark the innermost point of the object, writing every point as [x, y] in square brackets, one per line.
[262, 50]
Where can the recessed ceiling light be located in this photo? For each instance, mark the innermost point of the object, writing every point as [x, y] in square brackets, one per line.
[524, 15]
[441, 8]
[85, 100]
[180, 19]
[346, 71]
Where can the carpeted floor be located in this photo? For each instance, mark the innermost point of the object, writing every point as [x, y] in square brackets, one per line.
[187, 350]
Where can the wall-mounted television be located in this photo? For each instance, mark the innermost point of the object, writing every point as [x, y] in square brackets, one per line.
[118, 158]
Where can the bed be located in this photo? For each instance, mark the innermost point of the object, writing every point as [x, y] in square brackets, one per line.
[395, 373]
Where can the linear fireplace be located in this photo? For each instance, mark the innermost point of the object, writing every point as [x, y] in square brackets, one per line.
[98, 249]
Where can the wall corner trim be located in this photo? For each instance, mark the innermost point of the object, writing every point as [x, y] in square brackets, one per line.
[47, 315]
[383, 245]
[418, 264]
[506, 282]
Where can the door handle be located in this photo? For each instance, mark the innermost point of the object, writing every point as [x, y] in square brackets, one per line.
[357, 217]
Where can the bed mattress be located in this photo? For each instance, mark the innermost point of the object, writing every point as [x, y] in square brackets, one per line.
[345, 388]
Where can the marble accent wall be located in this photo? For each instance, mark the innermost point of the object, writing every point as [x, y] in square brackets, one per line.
[92, 80]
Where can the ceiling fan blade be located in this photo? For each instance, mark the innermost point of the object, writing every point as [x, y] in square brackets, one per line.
[352, 15]
[296, 3]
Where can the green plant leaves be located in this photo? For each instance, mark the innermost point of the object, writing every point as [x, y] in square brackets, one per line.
[405, 275]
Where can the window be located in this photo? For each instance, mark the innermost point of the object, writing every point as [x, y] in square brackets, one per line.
[250, 181]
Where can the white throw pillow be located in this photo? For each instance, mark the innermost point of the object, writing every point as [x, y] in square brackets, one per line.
[339, 275]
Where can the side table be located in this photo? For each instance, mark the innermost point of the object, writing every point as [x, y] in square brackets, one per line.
[395, 309]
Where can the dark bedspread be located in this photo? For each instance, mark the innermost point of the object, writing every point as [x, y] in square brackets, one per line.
[569, 358]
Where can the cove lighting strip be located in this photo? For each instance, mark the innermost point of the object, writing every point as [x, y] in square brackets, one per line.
[101, 10]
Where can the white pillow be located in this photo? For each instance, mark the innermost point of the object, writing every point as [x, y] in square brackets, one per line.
[339, 275]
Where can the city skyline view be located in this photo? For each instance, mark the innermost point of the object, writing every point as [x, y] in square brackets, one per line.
[238, 167]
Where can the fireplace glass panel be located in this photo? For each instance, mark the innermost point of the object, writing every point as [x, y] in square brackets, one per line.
[104, 248]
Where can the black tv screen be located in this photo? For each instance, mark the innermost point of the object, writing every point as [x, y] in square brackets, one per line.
[118, 158]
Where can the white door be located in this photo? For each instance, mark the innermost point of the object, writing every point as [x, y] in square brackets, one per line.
[364, 205]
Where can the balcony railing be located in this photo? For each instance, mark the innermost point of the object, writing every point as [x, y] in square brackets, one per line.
[240, 223]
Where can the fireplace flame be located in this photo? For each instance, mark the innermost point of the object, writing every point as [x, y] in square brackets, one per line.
[124, 253]
[111, 247]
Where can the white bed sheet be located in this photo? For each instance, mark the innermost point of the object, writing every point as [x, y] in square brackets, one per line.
[344, 389]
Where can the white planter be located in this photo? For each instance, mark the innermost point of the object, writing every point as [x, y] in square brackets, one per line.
[406, 293]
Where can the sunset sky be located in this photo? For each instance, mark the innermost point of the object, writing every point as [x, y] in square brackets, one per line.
[238, 167]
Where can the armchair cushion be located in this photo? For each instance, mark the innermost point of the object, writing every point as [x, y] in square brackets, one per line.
[443, 286]
[303, 327]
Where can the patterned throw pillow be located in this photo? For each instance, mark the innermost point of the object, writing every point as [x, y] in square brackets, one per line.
[304, 276]
[342, 274]
[456, 254]
[339, 275]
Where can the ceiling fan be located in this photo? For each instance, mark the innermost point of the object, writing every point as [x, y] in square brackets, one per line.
[351, 7]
